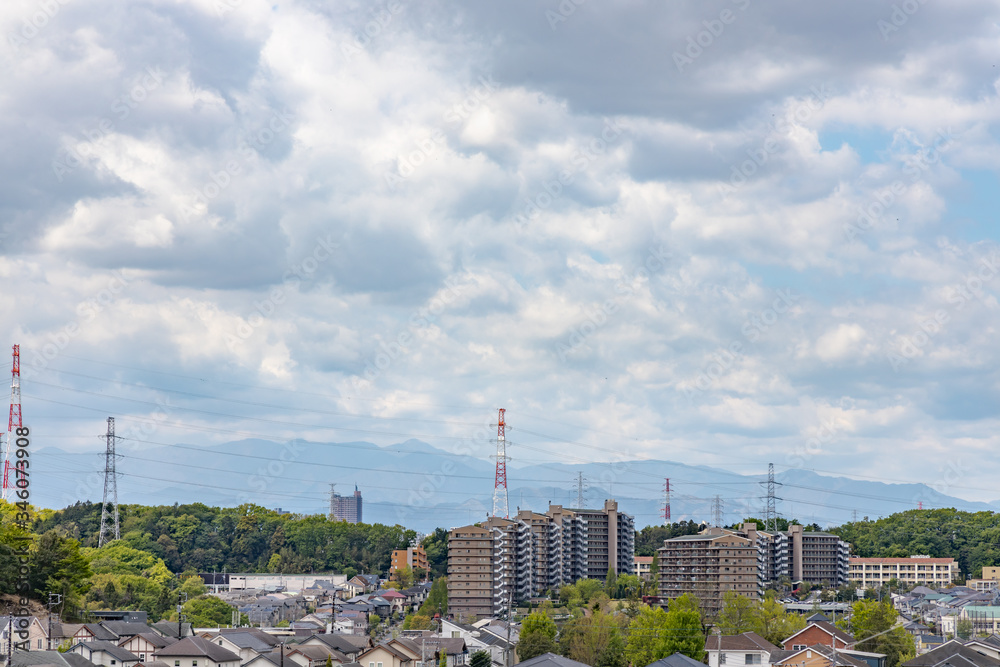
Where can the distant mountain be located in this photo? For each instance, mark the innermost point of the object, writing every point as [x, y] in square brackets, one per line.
[424, 487]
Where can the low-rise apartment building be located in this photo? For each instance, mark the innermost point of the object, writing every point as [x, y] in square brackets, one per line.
[870, 572]
[412, 557]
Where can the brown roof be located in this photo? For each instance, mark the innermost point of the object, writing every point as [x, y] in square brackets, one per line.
[827, 627]
[748, 641]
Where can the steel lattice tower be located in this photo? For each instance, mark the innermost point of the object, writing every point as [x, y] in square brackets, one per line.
[110, 489]
[14, 422]
[770, 513]
[581, 491]
[666, 503]
[717, 510]
[500, 506]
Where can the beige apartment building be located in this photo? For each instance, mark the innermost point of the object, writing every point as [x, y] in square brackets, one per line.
[708, 565]
[868, 572]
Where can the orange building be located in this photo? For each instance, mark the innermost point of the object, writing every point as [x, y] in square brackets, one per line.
[412, 557]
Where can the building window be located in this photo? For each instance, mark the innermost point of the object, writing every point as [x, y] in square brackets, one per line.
[177, 663]
[113, 661]
[798, 647]
[722, 658]
[752, 659]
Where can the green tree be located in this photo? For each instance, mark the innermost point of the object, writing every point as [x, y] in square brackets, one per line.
[963, 628]
[443, 662]
[877, 621]
[611, 583]
[404, 576]
[537, 622]
[684, 629]
[437, 598]
[208, 611]
[773, 622]
[58, 566]
[738, 614]
[646, 633]
[193, 587]
[274, 563]
[535, 644]
[480, 659]
[613, 653]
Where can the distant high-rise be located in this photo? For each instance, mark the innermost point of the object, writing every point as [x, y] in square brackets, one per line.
[345, 508]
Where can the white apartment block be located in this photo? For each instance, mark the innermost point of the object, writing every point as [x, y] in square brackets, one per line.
[867, 572]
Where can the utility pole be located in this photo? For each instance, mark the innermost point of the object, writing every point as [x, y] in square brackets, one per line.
[180, 605]
[54, 599]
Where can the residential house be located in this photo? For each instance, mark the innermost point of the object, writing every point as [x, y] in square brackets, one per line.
[454, 648]
[819, 632]
[477, 639]
[953, 653]
[818, 655]
[124, 629]
[145, 644]
[350, 646]
[315, 656]
[553, 660]
[105, 653]
[385, 655]
[28, 632]
[197, 652]
[244, 644]
[748, 648]
[368, 582]
[21, 658]
[675, 660]
[172, 629]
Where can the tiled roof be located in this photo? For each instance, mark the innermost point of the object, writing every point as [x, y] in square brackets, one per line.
[115, 651]
[748, 641]
[198, 646]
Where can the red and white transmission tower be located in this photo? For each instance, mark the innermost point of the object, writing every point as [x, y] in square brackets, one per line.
[15, 420]
[666, 504]
[500, 507]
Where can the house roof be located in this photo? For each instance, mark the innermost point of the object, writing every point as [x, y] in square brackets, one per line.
[390, 649]
[246, 640]
[748, 641]
[314, 652]
[828, 628]
[837, 658]
[391, 594]
[101, 632]
[159, 641]
[198, 646]
[169, 628]
[77, 660]
[954, 652]
[265, 637]
[115, 651]
[553, 660]
[450, 645]
[676, 660]
[339, 643]
[25, 658]
[125, 628]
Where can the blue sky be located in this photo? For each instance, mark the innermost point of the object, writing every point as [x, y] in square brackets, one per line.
[373, 221]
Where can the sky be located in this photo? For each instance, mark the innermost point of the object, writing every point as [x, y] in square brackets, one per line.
[726, 233]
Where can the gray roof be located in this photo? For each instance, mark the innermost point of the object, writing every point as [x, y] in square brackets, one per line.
[26, 658]
[77, 660]
[169, 628]
[553, 660]
[748, 641]
[158, 641]
[247, 640]
[125, 628]
[676, 660]
[196, 647]
[950, 652]
[115, 651]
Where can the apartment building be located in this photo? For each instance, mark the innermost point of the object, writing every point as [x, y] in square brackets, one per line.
[641, 566]
[504, 560]
[868, 572]
[708, 565]
[412, 557]
[811, 556]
